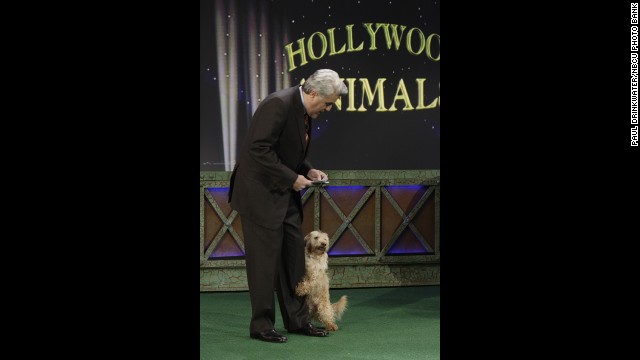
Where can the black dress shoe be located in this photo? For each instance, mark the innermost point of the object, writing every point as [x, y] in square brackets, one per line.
[270, 336]
[309, 330]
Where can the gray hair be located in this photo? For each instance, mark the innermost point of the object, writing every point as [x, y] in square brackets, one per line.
[326, 82]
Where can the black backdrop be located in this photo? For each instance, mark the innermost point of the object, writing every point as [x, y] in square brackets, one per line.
[236, 67]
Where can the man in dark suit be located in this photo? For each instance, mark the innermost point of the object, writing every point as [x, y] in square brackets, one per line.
[271, 169]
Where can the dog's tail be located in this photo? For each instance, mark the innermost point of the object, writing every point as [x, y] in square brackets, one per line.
[340, 306]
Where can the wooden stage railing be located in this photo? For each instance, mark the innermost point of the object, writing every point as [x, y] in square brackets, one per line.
[383, 227]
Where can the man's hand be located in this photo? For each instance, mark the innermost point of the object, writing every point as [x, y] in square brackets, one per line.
[301, 183]
[315, 174]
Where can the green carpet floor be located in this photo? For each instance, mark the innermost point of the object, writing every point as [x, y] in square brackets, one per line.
[380, 323]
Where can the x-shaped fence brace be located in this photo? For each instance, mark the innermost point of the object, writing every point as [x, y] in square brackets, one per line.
[227, 221]
[346, 220]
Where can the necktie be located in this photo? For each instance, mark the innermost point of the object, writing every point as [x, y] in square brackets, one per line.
[307, 122]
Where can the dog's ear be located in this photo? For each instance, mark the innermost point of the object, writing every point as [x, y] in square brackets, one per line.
[306, 238]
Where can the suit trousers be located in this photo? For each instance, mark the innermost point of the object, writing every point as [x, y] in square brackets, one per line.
[275, 260]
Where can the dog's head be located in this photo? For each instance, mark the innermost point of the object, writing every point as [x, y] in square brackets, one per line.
[316, 242]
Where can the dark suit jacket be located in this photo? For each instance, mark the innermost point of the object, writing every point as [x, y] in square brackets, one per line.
[270, 159]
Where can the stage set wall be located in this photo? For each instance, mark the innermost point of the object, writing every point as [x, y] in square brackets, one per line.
[383, 227]
[382, 140]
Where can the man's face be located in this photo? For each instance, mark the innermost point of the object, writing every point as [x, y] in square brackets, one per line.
[319, 104]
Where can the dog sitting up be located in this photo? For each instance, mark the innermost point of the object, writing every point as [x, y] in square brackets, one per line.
[315, 284]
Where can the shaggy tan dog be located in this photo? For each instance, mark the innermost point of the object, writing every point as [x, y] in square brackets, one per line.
[315, 284]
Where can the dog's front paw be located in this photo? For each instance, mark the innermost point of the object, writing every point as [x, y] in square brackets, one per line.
[302, 289]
